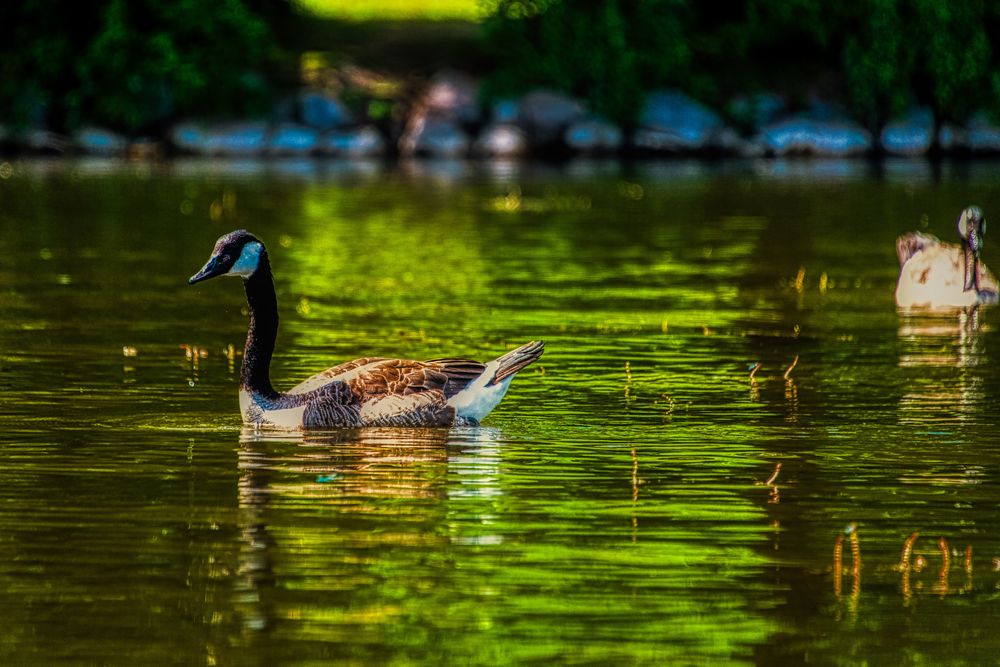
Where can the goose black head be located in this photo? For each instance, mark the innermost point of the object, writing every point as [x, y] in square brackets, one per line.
[972, 227]
[235, 254]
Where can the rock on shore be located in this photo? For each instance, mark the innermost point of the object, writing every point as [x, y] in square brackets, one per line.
[446, 118]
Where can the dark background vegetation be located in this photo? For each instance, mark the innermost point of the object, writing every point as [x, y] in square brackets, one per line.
[137, 65]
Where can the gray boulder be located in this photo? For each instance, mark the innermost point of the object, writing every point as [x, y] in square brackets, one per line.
[805, 135]
[911, 135]
[293, 139]
[433, 137]
[359, 143]
[593, 135]
[100, 141]
[983, 136]
[188, 138]
[545, 114]
[501, 140]
[323, 111]
[236, 139]
[673, 122]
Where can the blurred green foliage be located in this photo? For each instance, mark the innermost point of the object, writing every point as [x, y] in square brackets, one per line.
[604, 51]
[134, 64]
[937, 53]
[877, 56]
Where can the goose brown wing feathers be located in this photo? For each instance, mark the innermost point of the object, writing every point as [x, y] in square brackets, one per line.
[396, 376]
[402, 378]
[381, 375]
[460, 372]
[330, 374]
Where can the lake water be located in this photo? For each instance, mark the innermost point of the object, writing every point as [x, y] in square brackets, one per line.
[620, 506]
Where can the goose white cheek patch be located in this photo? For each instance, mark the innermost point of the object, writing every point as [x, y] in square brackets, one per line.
[245, 266]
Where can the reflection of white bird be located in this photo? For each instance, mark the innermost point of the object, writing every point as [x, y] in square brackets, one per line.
[950, 343]
[934, 274]
[373, 391]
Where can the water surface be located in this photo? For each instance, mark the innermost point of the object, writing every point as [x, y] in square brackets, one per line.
[618, 507]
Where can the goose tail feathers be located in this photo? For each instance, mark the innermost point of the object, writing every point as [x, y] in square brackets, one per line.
[515, 360]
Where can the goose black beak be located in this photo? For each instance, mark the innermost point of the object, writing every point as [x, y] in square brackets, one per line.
[213, 267]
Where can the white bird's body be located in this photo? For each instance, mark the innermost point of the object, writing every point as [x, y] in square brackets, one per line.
[936, 275]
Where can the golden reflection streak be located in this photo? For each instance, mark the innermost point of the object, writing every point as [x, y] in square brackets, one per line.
[792, 397]
[968, 567]
[942, 582]
[838, 567]
[904, 566]
[855, 568]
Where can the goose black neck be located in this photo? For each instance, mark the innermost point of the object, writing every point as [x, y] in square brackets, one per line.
[263, 332]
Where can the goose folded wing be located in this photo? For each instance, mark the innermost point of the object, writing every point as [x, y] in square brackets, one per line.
[460, 373]
[338, 372]
[396, 377]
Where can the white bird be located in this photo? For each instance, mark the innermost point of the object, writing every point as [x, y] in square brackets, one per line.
[938, 275]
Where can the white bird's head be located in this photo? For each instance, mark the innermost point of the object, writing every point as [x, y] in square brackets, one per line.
[972, 227]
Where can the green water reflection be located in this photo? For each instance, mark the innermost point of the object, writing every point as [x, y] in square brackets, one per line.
[615, 509]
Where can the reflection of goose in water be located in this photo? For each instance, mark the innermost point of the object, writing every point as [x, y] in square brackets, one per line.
[372, 391]
[317, 503]
[947, 355]
[934, 274]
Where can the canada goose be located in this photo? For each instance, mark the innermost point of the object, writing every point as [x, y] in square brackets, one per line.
[944, 275]
[372, 391]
